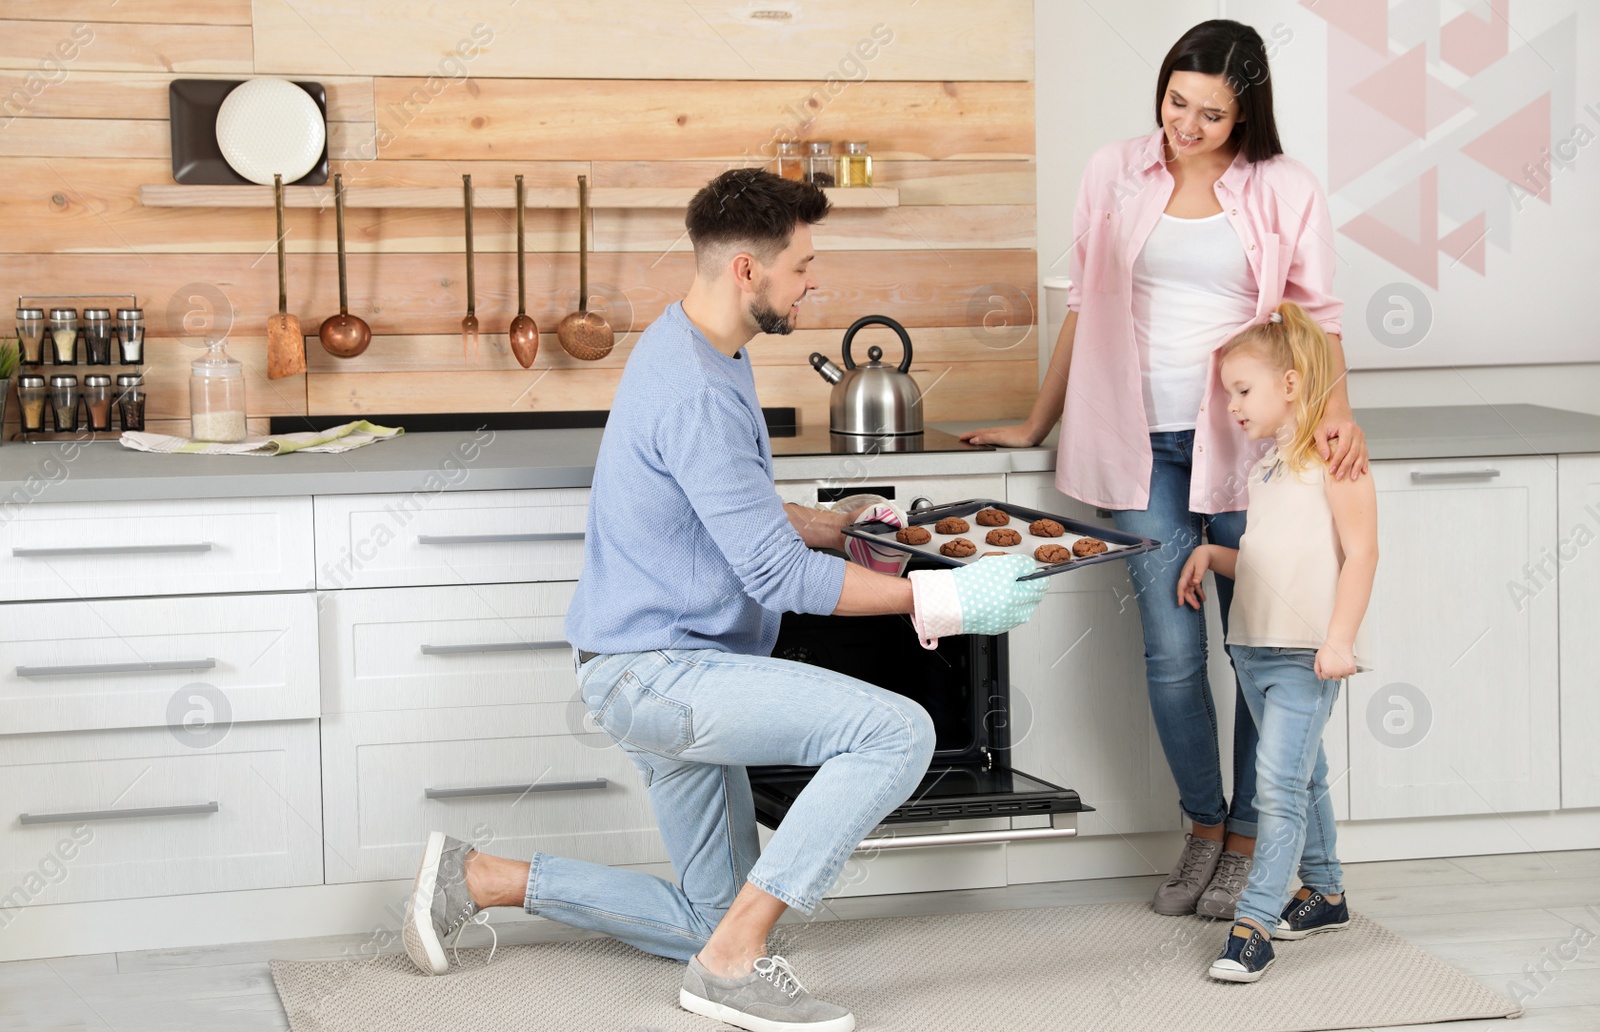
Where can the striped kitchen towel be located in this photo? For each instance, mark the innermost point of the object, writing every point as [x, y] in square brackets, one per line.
[335, 439]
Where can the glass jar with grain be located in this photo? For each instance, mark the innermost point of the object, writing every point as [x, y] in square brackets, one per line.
[30, 333]
[216, 396]
[64, 335]
[34, 397]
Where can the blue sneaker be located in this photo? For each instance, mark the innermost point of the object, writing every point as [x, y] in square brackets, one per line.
[1309, 913]
[1244, 957]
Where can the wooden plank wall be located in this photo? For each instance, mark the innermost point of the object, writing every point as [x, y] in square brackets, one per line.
[629, 92]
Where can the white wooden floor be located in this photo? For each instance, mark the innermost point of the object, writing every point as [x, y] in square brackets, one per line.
[1491, 916]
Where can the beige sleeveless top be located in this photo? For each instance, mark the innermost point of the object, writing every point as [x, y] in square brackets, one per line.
[1289, 561]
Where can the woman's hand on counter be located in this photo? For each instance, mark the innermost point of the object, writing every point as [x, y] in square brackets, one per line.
[1343, 445]
[1019, 436]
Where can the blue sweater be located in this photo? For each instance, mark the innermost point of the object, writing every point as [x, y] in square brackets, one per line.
[687, 545]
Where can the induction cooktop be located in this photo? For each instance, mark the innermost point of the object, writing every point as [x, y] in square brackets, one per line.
[816, 440]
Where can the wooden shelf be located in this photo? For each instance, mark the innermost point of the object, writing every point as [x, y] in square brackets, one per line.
[171, 195]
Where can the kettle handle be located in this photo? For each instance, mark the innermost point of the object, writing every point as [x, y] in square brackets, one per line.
[879, 320]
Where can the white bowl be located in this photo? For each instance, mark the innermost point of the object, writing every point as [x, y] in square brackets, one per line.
[270, 126]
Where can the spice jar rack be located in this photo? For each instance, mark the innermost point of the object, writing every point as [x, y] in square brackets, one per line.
[57, 400]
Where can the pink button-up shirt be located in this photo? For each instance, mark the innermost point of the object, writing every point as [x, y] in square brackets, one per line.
[1278, 209]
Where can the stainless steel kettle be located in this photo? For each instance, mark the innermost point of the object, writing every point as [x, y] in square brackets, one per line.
[873, 400]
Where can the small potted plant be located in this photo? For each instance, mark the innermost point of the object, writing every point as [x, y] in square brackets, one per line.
[9, 356]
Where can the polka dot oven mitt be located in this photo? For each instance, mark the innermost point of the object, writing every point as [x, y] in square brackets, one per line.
[984, 597]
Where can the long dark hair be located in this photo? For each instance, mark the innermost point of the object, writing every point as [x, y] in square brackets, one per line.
[1234, 51]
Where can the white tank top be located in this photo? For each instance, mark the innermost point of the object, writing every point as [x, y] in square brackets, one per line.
[1289, 562]
[1192, 284]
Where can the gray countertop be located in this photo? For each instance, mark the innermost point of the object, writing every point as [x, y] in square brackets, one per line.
[66, 472]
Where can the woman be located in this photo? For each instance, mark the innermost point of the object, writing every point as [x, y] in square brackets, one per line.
[1183, 238]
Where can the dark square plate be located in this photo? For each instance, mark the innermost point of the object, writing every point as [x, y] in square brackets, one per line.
[196, 158]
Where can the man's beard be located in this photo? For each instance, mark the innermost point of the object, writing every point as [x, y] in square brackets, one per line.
[769, 319]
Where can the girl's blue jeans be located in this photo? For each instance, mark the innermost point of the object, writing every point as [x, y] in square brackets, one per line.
[1290, 707]
[691, 720]
[1175, 642]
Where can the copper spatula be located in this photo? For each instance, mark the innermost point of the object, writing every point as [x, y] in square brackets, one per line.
[286, 345]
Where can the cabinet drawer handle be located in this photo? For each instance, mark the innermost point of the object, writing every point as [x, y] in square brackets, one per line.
[492, 646]
[495, 539]
[1418, 477]
[115, 668]
[97, 550]
[549, 786]
[117, 815]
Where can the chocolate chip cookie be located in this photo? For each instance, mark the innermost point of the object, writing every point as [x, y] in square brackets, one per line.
[1088, 546]
[952, 525]
[991, 518]
[959, 548]
[1003, 536]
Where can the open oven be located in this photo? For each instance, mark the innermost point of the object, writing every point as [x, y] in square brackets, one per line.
[964, 686]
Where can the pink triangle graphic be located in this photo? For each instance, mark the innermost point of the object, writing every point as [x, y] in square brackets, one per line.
[1398, 90]
[1472, 43]
[1357, 141]
[1366, 20]
[1522, 139]
[1444, 103]
[1413, 249]
[1466, 243]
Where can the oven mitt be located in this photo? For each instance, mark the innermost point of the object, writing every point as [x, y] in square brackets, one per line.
[874, 557]
[984, 597]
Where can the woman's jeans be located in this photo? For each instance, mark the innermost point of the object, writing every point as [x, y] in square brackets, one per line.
[1290, 707]
[1175, 641]
[691, 720]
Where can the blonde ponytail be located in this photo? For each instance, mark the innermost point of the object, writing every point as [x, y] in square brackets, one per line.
[1294, 341]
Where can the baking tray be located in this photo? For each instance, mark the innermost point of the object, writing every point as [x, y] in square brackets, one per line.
[196, 158]
[1118, 545]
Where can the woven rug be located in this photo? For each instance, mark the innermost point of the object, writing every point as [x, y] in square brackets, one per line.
[1090, 968]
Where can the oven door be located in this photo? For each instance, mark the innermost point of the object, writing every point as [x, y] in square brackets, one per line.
[964, 686]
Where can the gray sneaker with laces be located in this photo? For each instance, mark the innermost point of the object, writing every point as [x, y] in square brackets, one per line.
[768, 999]
[440, 904]
[1227, 885]
[1189, 878]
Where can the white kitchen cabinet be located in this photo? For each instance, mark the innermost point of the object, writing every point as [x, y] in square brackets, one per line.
[118, 814]
[523, 778]
[206, 661]
[449, 537]
[1078, 689]
[446, 646]
[1460, 714]
[1577, 551]
[183, 547]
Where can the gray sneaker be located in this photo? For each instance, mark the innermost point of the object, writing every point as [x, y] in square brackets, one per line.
[440, 904]
[768, 999]
[1227, 885]
[1198, 862]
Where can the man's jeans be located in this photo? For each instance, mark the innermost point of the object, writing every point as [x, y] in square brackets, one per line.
[1290, 707]
[691, 721]
[1175, 642]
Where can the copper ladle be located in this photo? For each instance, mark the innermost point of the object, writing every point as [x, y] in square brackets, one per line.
[524, 334]
[343, 335]
[469, 322]
[585, 334]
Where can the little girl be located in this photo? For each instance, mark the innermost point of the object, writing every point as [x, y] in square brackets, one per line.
[1302, 577]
